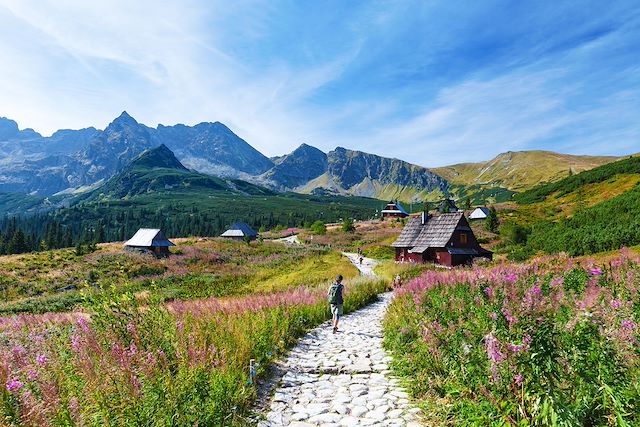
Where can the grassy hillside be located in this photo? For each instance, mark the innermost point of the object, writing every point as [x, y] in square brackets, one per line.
[573, 183]
[519, 171]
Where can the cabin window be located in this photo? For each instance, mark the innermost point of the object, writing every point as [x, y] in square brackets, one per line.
[464, 238]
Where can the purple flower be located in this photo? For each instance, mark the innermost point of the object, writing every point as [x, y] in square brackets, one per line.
[511, 278]
[14, 385]
[518, 379]
[131, 328]
[536, 290]
[489, 292]
[492, 345]
[628, 324]
[32, 375]
[556, 281]
[616, 304]
[42, 360]
[596, 271]
[75, 342]
[493, 315]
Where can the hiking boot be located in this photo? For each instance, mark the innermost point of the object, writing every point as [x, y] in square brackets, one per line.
[335, 329]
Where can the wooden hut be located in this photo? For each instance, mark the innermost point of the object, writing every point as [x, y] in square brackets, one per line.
[479, 213]
[445, 239]
[149, 240]
[240, 231]
[394, 210]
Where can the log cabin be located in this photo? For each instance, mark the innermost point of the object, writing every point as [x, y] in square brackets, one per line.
[445, 239]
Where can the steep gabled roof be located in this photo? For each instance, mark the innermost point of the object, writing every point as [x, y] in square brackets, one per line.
[447, 204]
[409, 233]
[398, 208]
[437, 232]
[479, 213]
[239, 229]
[147, 237]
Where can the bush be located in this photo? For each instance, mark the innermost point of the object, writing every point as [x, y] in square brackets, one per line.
[318, 228]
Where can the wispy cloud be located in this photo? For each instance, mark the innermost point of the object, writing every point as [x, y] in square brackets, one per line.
[432, 83]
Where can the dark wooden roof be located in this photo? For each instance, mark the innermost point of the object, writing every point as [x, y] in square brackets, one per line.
[437, 232]
[409, 233]
[393, 207]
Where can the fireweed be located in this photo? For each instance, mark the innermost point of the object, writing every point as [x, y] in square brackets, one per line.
[551, 342]
[184, 363]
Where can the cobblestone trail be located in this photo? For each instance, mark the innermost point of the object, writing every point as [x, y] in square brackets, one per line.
[342, 379]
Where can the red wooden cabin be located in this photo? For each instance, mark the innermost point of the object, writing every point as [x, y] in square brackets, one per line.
[445, 239]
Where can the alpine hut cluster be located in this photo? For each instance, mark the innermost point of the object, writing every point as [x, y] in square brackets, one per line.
[445, 239]
[394, 210]
[240, 231]
[149, 240]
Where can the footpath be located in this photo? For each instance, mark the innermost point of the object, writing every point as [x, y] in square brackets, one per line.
[342, 379]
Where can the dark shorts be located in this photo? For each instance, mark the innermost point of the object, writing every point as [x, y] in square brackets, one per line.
[336, 309]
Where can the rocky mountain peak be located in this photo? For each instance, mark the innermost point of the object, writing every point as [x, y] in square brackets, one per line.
[8, 129]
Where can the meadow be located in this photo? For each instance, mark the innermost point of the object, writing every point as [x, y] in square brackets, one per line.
[181, 363]
[61, 279]
[553, 341]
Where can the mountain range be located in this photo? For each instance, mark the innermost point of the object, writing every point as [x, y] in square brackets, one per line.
[77, 161]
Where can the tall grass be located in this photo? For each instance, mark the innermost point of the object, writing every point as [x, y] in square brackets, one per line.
[551, 342]
[184, 363]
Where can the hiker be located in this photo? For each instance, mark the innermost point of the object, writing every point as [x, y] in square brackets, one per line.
[361, 260]
[335, 300]
[397, 282]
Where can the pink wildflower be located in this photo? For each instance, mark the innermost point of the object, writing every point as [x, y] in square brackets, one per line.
[14, 385]
[493, 315]
[596, 271]
[511, 278]
[42, 360]
[518, 379]
[492, 345]
[489, 292]
[628, 324]
[32, 375]
[616, 304]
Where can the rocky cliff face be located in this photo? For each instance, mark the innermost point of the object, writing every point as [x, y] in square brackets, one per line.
[343, 171]
[298, 168]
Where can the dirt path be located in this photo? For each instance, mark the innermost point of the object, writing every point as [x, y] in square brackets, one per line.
[342, 379]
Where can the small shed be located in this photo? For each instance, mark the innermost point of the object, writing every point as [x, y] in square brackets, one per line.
[239, 231]
[393, 209]
[479, 213]
[149, 240]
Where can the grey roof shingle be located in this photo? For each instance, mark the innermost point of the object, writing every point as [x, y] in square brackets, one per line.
[437, 232]
[409, 233]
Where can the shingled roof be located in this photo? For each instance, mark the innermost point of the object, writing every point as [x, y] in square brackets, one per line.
[409, 233]
[437, 232]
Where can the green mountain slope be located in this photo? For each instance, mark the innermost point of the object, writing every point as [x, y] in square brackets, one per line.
[159, 171]
[520, 171]
[573, 183]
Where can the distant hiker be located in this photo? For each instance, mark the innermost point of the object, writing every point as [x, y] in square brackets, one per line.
[361, 260]
[359, 251]
[335, 301]
[397, 282]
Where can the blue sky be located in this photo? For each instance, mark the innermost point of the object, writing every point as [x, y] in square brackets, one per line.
[430, 82]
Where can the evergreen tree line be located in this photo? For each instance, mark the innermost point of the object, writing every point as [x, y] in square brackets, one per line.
[97, 223]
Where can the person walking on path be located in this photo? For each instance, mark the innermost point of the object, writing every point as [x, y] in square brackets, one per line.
[336, 301]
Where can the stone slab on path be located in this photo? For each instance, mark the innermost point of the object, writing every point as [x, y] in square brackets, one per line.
[342, 379]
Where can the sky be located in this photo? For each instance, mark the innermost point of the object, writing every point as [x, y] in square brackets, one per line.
[430, 82]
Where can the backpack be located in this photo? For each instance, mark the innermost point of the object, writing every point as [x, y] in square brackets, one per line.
[335, 294]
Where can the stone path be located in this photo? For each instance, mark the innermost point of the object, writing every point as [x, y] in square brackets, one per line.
[342, 379]
[367, 266]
